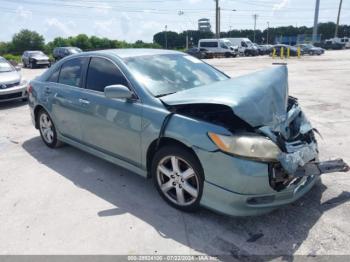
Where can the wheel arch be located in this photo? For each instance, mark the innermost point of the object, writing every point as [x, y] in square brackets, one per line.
[37, 109]
[166, 141]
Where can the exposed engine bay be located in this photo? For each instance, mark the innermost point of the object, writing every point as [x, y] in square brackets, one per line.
[294, 135]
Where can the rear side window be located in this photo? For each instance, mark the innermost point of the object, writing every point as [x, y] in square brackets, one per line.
[54, 75]
[209, 44]
[102, 73]
[71, 72]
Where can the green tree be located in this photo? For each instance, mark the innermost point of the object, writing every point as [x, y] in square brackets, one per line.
[27, 40]
[4, 48]
[82, 41]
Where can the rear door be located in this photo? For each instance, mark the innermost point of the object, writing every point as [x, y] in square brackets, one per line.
[112, 126]
[66, 92]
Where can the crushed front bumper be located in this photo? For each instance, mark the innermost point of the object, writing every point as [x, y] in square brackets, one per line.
[234, 204]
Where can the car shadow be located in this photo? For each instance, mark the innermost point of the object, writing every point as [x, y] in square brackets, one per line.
[278, 234]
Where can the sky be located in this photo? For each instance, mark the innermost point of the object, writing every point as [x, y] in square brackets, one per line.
[140, 19]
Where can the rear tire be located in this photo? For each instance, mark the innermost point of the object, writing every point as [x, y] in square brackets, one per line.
[178, 177]
[47, 130]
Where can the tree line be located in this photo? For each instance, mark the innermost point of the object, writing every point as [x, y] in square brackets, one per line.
[174, 40]
[31, 40]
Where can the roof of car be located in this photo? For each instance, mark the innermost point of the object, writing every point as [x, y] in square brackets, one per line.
[132, 52]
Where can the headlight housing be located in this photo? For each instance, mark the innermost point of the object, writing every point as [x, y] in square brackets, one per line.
[247, 145]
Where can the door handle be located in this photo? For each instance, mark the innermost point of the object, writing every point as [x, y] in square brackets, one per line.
[47, 90]
[84, 101]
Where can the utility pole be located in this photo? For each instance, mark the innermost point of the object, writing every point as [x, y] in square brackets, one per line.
[180, 13]
[314, 33]
[267, 33]
[255, 16]
[166, 37]
[338, 18]
[217, 17]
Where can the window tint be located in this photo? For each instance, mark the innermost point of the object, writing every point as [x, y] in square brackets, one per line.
[209, 44]
[71, 72]
[102, 73]
[54, 75]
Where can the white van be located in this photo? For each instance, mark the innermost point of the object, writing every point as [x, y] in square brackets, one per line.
[344, 41]
[220, 47]
[245, 46]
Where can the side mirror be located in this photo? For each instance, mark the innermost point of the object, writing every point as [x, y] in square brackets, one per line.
[118, 91]
[18, 68]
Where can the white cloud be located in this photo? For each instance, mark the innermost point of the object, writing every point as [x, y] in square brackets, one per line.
[23, 13]
[195, 1]
[280, 5]
[104, 28]
[125, 27]
[55, 27]
[103, 8]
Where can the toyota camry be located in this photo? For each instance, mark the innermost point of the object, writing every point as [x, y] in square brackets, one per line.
[238, 146]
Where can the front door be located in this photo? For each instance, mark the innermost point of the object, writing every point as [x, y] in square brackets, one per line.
[112, 126]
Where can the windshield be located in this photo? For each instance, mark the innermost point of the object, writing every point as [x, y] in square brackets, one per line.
[74, 50]
[228, 43]
[170, 73]
[5, 66]
[249, 43]
[36, 53]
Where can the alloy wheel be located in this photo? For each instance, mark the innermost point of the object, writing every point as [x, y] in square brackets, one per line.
[177, 180]
[46, 128]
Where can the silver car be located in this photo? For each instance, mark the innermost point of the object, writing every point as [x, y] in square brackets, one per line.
[12, 86]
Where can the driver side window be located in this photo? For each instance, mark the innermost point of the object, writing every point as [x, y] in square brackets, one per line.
[102, 73]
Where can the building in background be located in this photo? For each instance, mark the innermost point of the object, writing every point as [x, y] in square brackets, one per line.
[204, 25]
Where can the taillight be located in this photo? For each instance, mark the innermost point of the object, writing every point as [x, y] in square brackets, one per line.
[29, 88]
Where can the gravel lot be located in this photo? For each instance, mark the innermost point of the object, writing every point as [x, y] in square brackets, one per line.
[66, 201]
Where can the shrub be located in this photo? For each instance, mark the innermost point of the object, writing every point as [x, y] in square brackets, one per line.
[13, 59]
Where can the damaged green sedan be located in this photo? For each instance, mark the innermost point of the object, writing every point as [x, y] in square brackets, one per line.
[238, 146]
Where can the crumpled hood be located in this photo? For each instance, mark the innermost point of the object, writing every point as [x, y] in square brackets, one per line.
[9, 77]
[259, 98]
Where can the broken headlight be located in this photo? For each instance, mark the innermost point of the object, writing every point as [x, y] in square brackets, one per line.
[247, 145]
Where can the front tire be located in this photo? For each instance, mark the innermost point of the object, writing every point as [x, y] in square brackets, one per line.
[47, 130]
[178, 177]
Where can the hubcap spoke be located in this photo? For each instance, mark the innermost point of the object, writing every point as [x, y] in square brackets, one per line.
[42, 121]
[175, 164]
[164, 170]
[180, 195]
[167, 186]
[187, 174]
[190, 189]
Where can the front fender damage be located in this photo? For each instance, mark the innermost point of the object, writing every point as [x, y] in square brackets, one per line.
[299, 156]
